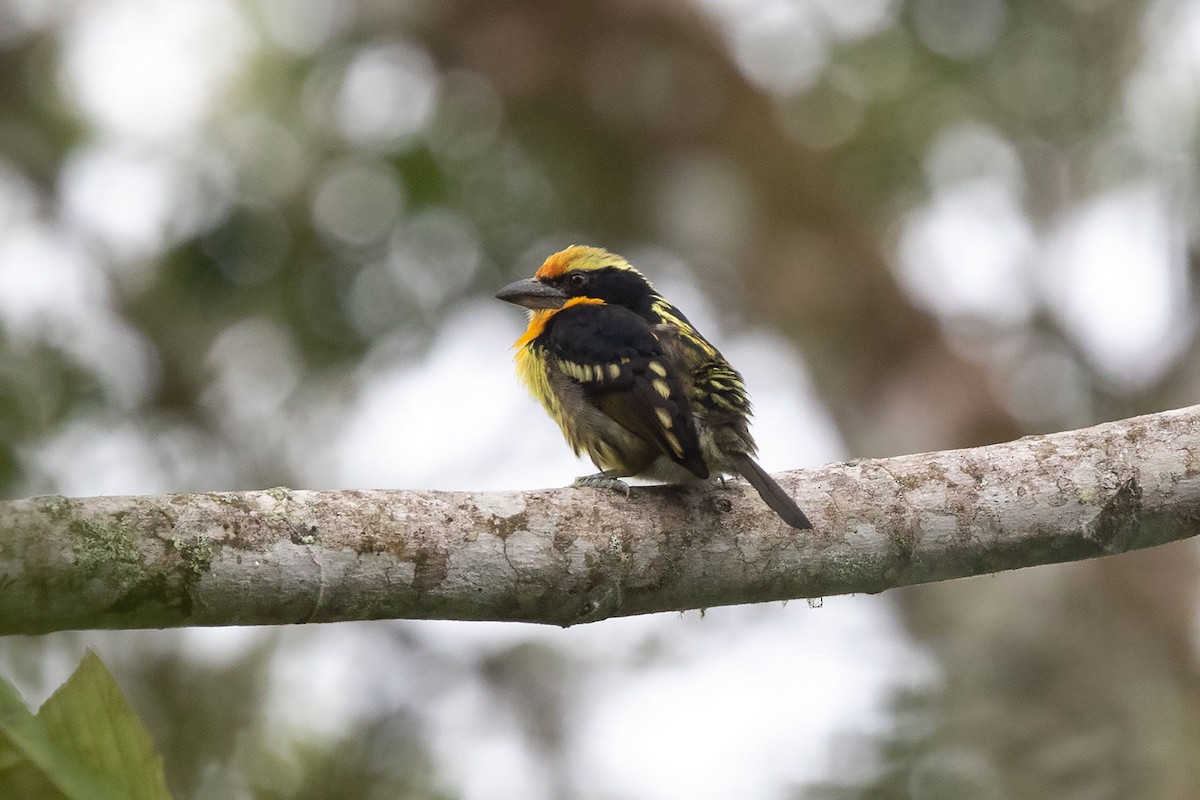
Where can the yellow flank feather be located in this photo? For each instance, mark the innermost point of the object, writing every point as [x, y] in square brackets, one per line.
[531, 369]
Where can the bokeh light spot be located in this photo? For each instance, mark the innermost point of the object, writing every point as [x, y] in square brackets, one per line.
[959, 29]
[825, 116]
[305, 26]
[703, 204]
[152, 68]
[358, 203]
[1115, 277]
[780, 47]
[387, 94]
[967, 254]
[467, 119]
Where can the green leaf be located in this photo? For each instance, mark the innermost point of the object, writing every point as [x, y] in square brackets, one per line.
[32, 764]
[85, 743]
[89, 718]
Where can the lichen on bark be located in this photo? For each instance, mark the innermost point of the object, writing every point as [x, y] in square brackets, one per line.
[571, 555]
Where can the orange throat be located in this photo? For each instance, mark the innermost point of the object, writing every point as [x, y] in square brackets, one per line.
[537, 323]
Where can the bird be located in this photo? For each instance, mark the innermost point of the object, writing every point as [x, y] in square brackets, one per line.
[631, 382]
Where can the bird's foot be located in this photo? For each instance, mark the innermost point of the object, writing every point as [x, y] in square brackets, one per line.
[603, 480]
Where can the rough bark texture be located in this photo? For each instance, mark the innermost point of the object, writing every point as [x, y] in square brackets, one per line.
[564, 556]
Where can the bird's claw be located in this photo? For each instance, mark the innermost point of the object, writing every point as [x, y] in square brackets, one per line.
[602, 481]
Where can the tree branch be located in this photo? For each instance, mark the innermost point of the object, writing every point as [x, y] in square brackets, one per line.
[573, 555]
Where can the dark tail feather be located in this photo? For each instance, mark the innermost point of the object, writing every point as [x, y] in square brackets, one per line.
[772, 493]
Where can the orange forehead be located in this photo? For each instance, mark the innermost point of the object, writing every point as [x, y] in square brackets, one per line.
[577, 256]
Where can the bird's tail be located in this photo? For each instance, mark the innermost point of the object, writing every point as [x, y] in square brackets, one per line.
[772, 493]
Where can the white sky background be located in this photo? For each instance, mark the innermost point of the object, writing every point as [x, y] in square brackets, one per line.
[744, 702]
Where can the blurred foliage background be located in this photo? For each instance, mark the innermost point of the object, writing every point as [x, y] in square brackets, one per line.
[247, 243]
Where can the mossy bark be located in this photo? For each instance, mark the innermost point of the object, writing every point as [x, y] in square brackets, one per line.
[573, 555]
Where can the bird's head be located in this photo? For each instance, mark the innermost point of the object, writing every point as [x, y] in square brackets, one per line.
[581, 271]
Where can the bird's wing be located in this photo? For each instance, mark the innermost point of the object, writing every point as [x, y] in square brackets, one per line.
[709, 380]
[625, 373]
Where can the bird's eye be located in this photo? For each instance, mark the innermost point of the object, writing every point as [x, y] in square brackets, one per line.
[577, 281]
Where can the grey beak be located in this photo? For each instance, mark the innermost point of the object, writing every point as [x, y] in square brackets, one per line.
[532, 293]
